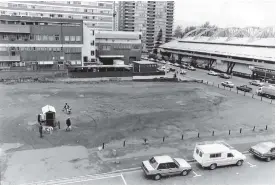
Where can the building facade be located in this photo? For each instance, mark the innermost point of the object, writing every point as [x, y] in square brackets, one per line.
[118, 45]
[40, 43]
[147, 17]
[144, 67]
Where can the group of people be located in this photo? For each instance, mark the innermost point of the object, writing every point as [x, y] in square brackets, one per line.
[68, 121]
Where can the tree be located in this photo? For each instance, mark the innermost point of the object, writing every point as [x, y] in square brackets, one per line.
[158, 41]
[178, 32]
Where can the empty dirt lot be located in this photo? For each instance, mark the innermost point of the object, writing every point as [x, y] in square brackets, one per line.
[104, 112]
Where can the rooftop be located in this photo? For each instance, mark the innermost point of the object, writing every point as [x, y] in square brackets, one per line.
[213, 148]
[163, 159]
[117, 35]
[144, 62]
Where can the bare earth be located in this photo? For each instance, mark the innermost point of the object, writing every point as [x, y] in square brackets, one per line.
[103, 112]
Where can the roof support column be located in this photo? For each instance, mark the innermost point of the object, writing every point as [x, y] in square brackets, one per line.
[230, 66]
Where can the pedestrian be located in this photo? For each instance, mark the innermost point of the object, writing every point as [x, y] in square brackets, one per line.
[39, 119]
[40, 131]
[68, 123]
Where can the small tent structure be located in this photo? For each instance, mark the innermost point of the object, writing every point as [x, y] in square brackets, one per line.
[49, 114]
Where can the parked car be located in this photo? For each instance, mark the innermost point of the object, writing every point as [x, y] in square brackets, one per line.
[191, 68]
[183, 72]
[176, 65]
[227, 84]
[213, 73]
[266, 91]
[256, 83]
[161, 166]
[264, 150]
[244, 88]
[216, 154]
[172, 69]
[222, 75]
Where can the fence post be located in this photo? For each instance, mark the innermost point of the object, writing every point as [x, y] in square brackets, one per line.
[213, 133]
[252, 95]
[213, 83]
[163, 139]
[224, 87]
[229, 132]
[103, 146]
[237, 91]
[218, 85]
[124, 143]
[198, 135]
[271, 101]
[230, 89]
[261, 98]
[207, 82]
[254, 128]
[266, 127]
[182, 137]
[240, 130]
[244, 93]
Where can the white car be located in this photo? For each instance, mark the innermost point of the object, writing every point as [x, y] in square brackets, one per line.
[161, 166]
[227, 84]
[217, 154]
[183, 72]
[264, 150]
[213, 73]
[176, 65]
[256, 83]
[191, 68]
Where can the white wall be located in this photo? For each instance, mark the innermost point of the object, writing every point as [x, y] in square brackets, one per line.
[87, 48]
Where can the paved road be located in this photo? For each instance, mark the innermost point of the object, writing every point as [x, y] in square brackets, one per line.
[253, 172]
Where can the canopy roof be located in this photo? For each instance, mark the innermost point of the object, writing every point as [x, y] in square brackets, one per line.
[48, 108]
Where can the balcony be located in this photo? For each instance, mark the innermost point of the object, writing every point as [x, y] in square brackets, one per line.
[10, 58]
[8, 28]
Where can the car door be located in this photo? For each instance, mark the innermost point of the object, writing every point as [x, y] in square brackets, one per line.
[229, 159]
[173, 168]
[163, 169]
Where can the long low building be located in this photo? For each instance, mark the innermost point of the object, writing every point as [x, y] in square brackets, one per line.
[252, 56]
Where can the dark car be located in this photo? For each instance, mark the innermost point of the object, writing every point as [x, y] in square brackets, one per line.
[172, 69]
[222, 75]
[244, 88]
[264, 150]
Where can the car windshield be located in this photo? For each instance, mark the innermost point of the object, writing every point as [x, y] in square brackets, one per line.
[153, 163]
[176, 162]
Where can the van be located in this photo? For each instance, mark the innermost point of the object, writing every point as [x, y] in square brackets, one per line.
[217, 154]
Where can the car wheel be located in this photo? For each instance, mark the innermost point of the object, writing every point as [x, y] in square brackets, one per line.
[157, 177]
[213, 166]
[268, 159]
[184, 173]
[239, 163]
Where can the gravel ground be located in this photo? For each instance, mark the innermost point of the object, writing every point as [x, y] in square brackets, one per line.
[104, 112]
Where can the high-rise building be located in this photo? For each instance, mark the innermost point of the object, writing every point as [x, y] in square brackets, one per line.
[97, 15]
[116, 19]
[148, 17]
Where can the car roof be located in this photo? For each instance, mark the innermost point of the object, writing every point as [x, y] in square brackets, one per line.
[163, 159]
[267, 144]
[213, 148]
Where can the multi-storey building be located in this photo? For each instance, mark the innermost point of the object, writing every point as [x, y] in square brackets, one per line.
[148, 17]
[116, 14]
[124, 46]
[40, 43]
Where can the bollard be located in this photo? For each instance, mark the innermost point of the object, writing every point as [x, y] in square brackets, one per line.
[237, 91]
[261, 98]
[163, 139]
[229, 132]
[230, 89]
[207, 82]
[254, 128]
[213, 133]
[145, 140]
[224, 87]
[240, 130]
[271, 101]
[103, 146]
[182, 137]
[124, 143]
[218, 85]
[244, 93]
[213, 83]
[198, 135]
[252, 95]
[266, 127]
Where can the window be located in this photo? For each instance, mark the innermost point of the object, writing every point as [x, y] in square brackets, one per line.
[51, 38]
[38, 37]
[60, 15]
[45, 37]
[272, 150]
[78, 38]
[52, 15]
[200, 154]
[230, 155]
[106, 48]
[101, 4]
[66, 38]
[72, 38]
[197, 151]
[85, 10]
[162, 166]
[5, 37]
[92, 43]
[92, 53]
[93, 32]
[56, 37]
[172, 165]
[215, 155]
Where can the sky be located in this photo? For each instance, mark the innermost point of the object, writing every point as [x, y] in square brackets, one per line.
[225, 13]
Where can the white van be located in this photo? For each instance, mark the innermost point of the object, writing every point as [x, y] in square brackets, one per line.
[213, 155]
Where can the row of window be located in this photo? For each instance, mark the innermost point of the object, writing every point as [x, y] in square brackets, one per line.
[52, 15]
[14, 37]
[55, 49]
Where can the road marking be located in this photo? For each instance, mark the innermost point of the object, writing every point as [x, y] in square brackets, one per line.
[123, 179]
[196, 175]
[251, 165]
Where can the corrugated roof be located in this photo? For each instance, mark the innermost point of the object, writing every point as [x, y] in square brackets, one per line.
[260, 53]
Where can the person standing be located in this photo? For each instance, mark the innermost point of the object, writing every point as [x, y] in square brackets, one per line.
[68, 123]
[40, 130]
